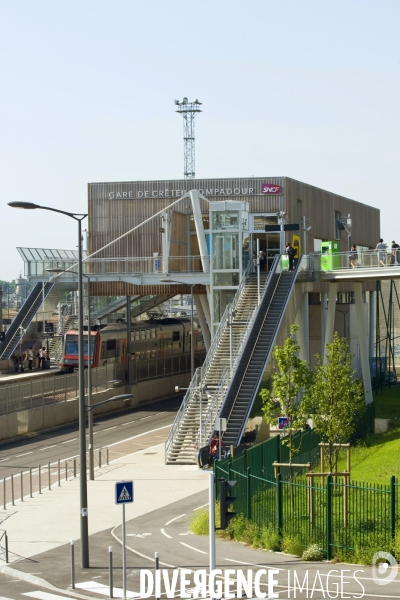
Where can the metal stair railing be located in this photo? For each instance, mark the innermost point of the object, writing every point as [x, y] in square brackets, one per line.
[200, 377]
[255, 344]
[24, 318]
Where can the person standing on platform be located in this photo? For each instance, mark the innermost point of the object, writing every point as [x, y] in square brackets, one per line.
[40, 357]
[395, 253]
[30, 359]
[43, 357]
[262, 257]
[353, 257]
[290, 251]
[380, 249]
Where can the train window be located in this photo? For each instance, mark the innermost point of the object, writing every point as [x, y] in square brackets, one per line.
[153, 354]
[153, 334]
[137, 336]
[111, 345]
[142, 334]
[147, 334]
[103, 350]
[175, 336]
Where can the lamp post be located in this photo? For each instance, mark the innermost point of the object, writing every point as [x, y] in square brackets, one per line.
[82, 409]
[191, 285]
[89, 355]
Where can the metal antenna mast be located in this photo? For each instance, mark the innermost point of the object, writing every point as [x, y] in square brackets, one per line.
[188, 110]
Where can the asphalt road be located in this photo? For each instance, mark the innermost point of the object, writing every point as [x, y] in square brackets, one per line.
[62, 443]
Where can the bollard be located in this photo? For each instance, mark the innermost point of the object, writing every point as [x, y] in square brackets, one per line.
[22, 487]
[66, 471]
[6, 542]
[110, 571]
[4, 494]
[74, 467]
[30, 482]
[73, 564]
[156, 568]
[107, 455]
[49, 478]
[40, 480]
[99, 458]
[12, 489]
[59, 473]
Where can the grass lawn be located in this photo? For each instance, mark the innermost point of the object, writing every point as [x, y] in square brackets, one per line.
[377, 457]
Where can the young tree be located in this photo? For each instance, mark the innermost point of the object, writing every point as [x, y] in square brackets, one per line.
[335, 398]
[292, 378]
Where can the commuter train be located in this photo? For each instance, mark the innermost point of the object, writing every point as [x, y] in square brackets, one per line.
[153, 339]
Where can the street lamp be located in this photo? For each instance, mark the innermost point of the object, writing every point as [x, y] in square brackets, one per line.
[82, 412]
[89, 355]
[191, 285]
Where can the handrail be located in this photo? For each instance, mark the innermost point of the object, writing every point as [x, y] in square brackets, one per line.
[365, 259]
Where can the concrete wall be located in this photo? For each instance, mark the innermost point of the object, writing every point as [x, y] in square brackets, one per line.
[64, 413]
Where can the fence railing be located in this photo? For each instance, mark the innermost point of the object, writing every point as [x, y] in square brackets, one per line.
[346, 518]
[120, 265]
[368, 259]
[35, 480]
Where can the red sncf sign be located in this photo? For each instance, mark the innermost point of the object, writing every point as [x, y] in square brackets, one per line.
[271, 188]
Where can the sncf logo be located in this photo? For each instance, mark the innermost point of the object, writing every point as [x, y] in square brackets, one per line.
[271, 188]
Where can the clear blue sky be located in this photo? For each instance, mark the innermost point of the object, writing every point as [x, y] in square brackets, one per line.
[303, 88]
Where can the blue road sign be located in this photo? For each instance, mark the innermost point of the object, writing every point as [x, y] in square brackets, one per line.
[123, 492]
[283, 422]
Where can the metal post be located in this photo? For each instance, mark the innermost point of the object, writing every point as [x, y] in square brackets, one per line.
[123, 553]
[82, 417]
[4, 494]
[211, 508]
[90, 411]
[156, 568]
[30, 482]
[258, 270]
[40, 480]
[99, 458]
[230, 338]
[107, 455]
[59, 473]
[74, 467]
[49, 477]
[110, 571]
[129, 339]
[12, 489]
[328, 516]
[73, 564]
[6, 540]
[191, 334]
[22, 487]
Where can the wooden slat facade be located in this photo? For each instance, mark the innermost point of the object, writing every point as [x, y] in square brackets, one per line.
[115, 208]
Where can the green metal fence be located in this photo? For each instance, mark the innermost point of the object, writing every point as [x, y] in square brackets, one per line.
[342, 517]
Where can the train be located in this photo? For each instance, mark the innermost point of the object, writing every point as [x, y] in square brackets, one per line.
[150, 340]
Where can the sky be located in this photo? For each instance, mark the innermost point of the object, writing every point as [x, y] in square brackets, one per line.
[303, 88]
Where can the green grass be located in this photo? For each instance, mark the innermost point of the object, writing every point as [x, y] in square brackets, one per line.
[387, 404]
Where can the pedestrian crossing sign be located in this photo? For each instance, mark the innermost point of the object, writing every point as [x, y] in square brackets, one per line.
[123, 492]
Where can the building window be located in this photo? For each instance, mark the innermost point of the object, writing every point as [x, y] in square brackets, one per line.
[337, 230]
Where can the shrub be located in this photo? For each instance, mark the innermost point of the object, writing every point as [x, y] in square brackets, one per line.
[292, 545]
[270, 539]
[313, 552]
[199, 522]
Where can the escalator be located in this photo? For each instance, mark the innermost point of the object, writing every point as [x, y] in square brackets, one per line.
[244, 385]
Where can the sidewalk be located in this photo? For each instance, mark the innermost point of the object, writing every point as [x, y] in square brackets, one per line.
[51, 520]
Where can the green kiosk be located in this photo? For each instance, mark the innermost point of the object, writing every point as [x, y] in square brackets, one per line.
[329, 255]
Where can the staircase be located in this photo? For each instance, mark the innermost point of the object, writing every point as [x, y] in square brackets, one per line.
[256, 353]
[23, 318]
[56, 344]
[211, 381]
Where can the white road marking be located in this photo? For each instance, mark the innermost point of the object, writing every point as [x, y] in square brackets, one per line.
[4, 459]
[166, 534]
[104, 590]
[138, 535]
[199, 507]
[148, 417]
[24, 454]
[174, 519]
[108, 428]
[186, 533]
[47, 447]
[68, 441]
[191, 547]
[241, 562]
[43, 595]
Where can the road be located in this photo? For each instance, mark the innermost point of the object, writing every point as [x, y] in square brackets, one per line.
[63, 443]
